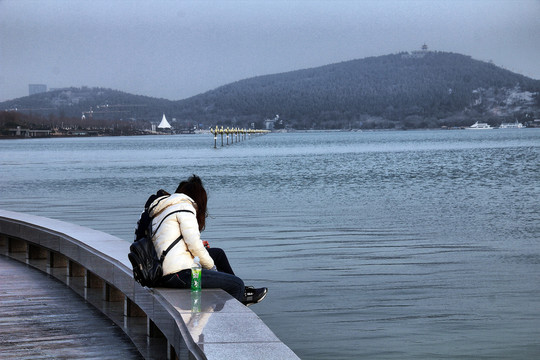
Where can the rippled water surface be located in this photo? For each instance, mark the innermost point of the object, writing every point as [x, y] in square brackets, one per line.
[378, 245]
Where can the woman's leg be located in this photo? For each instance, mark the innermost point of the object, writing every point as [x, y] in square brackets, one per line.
[251, 295]
[220, 260]
[230, 283]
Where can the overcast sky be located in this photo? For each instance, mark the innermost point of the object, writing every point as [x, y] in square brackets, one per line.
[177, 49]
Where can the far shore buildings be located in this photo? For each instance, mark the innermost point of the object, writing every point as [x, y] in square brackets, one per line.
[163, 126]
[27, 133]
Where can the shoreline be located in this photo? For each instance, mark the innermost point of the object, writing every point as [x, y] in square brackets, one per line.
[205, 132]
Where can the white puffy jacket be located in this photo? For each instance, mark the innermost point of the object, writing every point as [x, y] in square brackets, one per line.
[180, 257]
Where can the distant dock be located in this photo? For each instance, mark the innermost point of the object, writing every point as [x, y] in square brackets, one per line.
[236, 134]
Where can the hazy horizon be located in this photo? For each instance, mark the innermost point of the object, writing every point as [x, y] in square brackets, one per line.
[175, 50]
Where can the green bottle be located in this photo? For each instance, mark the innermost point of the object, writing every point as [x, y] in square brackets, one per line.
[196, 275]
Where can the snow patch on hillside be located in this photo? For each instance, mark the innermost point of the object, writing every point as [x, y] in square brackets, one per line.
[515, 97]
[502, 102]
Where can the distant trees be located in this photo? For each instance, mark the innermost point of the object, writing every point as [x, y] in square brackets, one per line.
[13, 119]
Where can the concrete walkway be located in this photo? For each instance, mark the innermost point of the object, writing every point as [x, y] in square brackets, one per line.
[41, 318]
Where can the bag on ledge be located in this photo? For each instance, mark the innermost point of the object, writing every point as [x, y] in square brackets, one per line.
[147, 266]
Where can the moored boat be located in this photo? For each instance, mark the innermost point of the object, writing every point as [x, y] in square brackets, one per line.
[516, 125]
[480, 126]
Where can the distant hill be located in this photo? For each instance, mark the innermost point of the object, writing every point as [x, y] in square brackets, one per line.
[424, 87]
[405, 90]
[99, 103]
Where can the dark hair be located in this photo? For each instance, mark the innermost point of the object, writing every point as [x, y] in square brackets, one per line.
[193, 187]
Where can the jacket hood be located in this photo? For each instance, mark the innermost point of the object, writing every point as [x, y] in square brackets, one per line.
[162, 203]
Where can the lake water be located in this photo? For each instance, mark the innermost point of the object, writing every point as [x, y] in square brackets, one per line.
[376, 245]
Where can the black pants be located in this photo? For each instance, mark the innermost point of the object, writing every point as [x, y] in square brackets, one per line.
[220, 260]
[209, 279]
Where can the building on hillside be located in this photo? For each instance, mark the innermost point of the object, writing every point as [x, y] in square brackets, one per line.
[270, 123]
[36, 88]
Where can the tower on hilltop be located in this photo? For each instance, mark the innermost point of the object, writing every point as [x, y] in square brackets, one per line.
[416, 54]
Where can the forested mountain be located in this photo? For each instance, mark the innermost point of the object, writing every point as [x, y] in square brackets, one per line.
[418, 90]
[412, 90]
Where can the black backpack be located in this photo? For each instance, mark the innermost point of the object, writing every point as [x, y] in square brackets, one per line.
[147, 266]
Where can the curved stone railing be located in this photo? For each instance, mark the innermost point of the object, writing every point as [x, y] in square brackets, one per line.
[162, 323]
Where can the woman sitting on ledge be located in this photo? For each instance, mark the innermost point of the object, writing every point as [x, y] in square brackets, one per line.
[216, 270]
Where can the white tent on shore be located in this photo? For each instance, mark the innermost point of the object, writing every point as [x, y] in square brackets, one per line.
[164, 124]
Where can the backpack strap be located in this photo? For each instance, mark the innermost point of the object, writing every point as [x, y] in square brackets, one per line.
[166, 251]
[175, 241]
[166, 216]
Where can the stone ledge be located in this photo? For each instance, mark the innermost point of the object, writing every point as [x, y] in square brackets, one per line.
[162, 323]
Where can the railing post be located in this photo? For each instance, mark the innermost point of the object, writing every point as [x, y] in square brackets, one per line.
[221, 132]
[215, 136]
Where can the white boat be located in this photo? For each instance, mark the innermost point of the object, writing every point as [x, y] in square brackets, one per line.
[516, 125]
[480, 126]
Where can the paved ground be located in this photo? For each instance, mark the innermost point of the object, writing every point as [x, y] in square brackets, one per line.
[41, 318]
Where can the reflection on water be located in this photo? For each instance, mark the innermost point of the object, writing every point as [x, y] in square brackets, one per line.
[420, 244]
